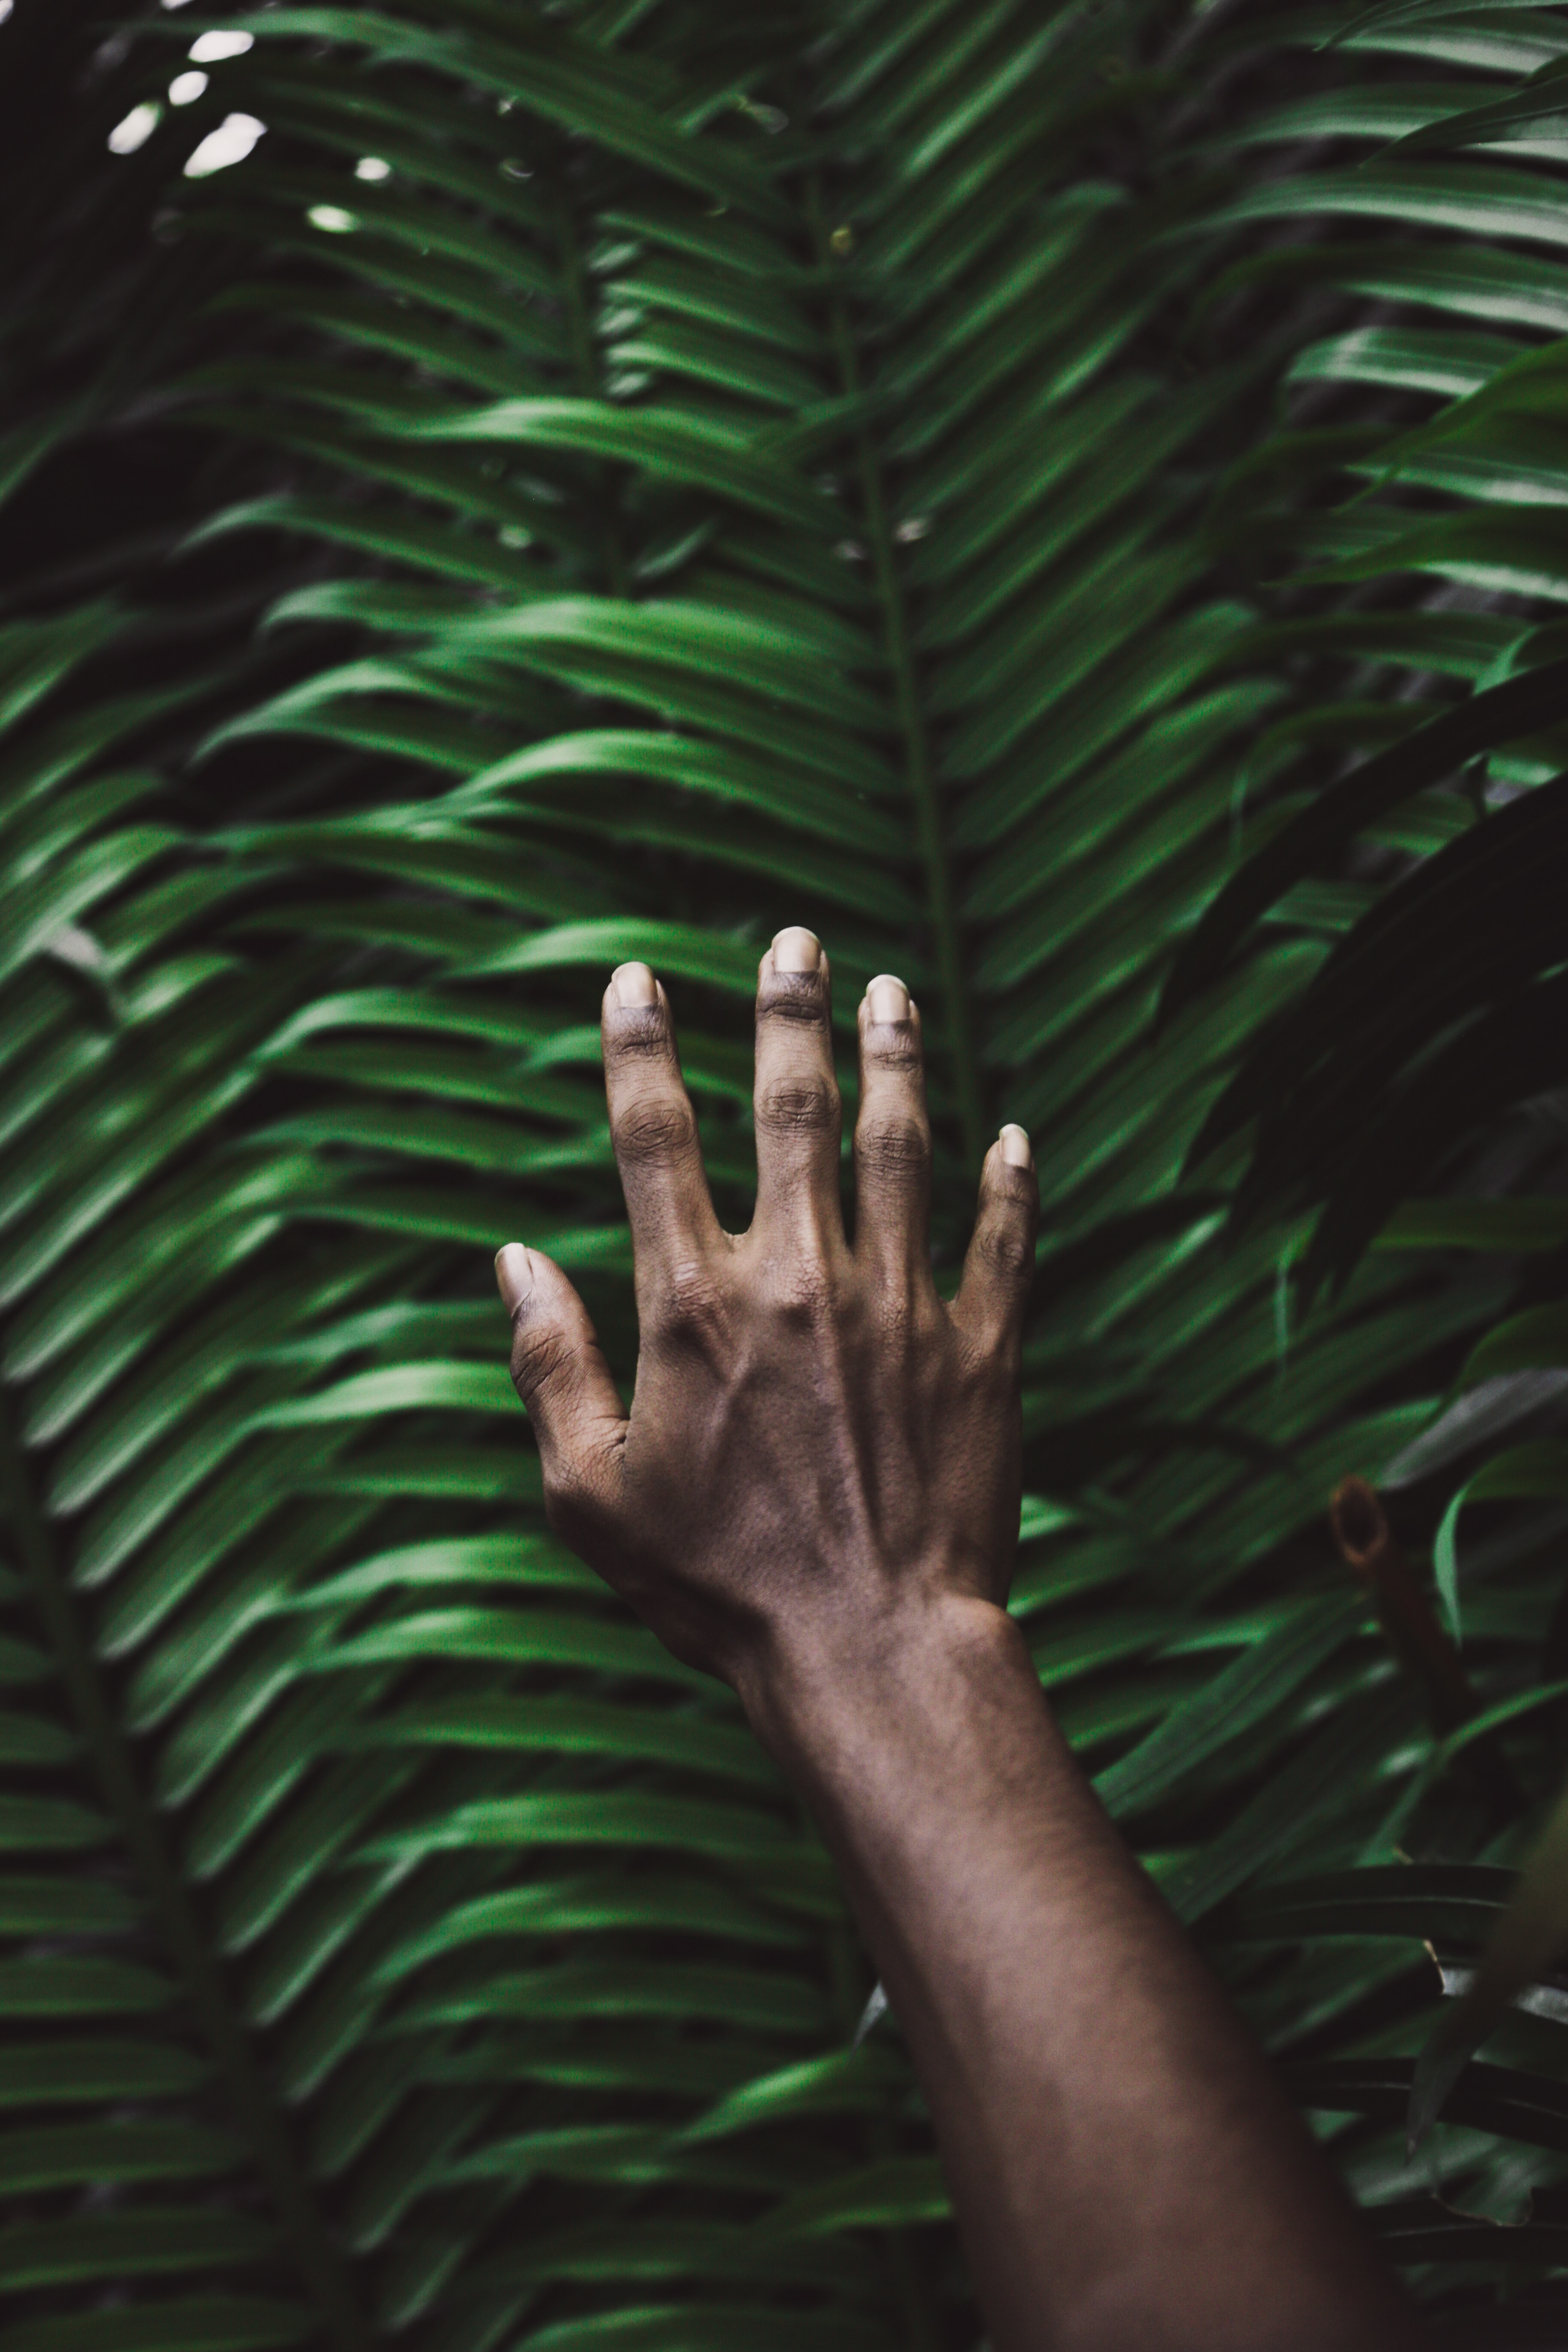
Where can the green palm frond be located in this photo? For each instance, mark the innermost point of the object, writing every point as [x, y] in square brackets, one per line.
[601, 483]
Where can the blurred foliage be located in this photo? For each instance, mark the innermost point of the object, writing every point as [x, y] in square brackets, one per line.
[1068, 502]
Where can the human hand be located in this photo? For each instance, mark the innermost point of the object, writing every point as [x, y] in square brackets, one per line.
[816, 1495]
[821, 1455]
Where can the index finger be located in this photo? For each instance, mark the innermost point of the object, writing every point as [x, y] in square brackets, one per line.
[654, 1129]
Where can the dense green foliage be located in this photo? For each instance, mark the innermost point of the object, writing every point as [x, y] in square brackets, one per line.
[606, 478]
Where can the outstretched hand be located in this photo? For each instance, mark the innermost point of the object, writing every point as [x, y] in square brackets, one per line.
[816, 1495]
[819, 1448]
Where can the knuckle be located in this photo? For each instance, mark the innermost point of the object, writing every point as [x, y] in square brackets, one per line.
[654, 1128]
[806, 1296]
[1006, 1250]
[796, 1000]
[798, 1106]
[897, 1320]
[689, 1304]
[540, 1354]
[894, 1045]
[910, 1321]
[988, 1353]
[892, 1143]
[635, 1032]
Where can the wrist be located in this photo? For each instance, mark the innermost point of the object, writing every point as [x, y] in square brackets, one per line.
[827, 1695]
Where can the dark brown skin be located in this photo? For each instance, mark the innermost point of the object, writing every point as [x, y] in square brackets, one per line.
[815, 1496]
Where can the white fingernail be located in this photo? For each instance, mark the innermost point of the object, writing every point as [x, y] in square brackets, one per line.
[796, 950]
[888, 999]
[635, 986]
[1014, 1142]
[514, 1274]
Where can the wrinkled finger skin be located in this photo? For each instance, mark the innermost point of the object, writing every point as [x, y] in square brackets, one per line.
[816, 1438]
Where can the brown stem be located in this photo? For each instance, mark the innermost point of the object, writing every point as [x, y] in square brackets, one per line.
[1367, 1543]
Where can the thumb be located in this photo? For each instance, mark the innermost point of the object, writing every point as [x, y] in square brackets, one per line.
[559, 1371]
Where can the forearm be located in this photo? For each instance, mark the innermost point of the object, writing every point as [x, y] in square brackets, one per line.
[1082, 2064]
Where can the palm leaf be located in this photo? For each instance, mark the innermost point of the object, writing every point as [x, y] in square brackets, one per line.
[703, 473]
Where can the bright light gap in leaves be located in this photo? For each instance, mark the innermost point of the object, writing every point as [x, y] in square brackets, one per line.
[136, 129]
[231, 143]
[211, 48]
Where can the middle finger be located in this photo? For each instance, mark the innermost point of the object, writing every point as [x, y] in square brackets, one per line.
[798, 1115]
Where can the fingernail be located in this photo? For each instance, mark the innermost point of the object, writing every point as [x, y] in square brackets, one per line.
[797, 951]
[634, 985]
[888, 999]
[514, 1274]
[1014, 1142]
